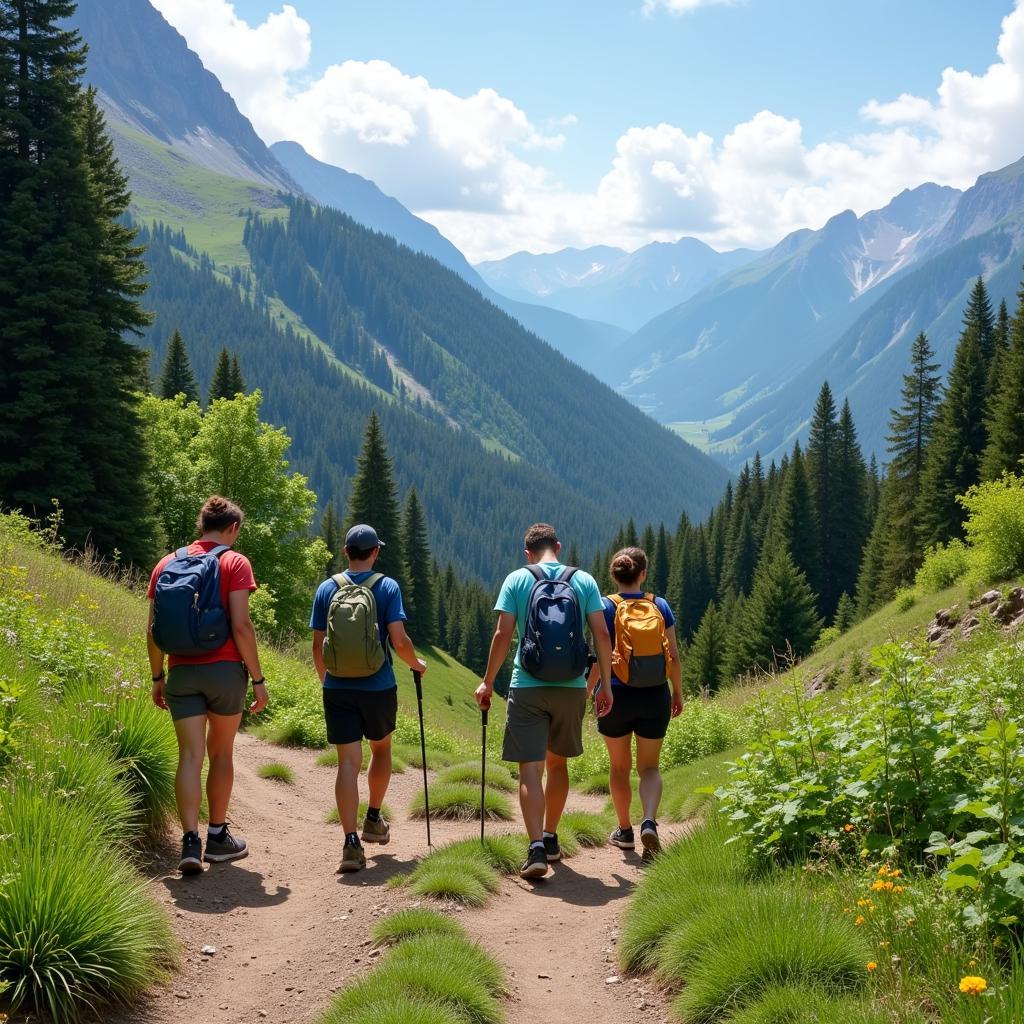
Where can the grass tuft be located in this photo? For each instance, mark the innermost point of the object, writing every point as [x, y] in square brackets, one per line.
[467, 871]
[796, 1004]
[498, 776]
[461, 802]
[277, 771]
[414, 921]
[587, 829]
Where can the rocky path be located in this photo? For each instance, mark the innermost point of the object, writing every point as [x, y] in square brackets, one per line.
[286, 931]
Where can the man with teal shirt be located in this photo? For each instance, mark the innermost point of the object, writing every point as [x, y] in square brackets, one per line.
[545, 720]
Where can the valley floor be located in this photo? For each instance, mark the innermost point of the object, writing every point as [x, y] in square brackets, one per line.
[288, 932]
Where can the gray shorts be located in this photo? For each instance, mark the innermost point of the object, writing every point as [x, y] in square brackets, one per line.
[543, 718]
[217, 688]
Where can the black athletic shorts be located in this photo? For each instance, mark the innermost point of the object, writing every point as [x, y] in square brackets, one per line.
[644, 711]
[353, 714]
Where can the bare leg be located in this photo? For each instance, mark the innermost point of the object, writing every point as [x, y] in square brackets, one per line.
[378, 773]
[188, 779]
[346, 785]
[556, 790]
[531, 797]
[620, 758]
[220, 745]
[647, 754]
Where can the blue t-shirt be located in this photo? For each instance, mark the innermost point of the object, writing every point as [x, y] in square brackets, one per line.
[514, 598]
[388, 596]
[609, 617]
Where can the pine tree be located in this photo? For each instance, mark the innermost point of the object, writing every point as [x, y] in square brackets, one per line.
[70, 278]
[374, 499]
[873, 588]
[795, 524]
[779, 616]
[874, 488]
[846, 613]
[659, 563]
[910, 433]
[220, 386]
[330, 532]
[1005, 447]
[705, 660]
[953, 460]
[823, 468]
[236, 382]
[1000, 348]
[695, 586]
[177, 376]
[741, 560]
[420, 602]
[979, 315]
[851, 526]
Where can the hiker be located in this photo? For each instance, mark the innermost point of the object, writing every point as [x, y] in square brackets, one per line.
[355, 615]
[548, 605]
[645, 659]
[199, 617]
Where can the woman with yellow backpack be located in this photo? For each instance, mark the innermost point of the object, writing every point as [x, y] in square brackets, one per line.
[645, 660]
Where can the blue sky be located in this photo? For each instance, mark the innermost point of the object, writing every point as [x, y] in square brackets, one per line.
[538, 125]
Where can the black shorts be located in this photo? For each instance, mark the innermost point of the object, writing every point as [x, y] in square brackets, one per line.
[644, 711]
[353, 714]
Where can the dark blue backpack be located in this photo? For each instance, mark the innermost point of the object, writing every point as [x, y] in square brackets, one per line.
[188, 616]
[553, 648]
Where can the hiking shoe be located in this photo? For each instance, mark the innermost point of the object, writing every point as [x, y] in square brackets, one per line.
[227, 847]
[378, 831]
[552, 850]
[191, 862]
[623, 839]
[536, 865]
[352, 858]
[649, 839]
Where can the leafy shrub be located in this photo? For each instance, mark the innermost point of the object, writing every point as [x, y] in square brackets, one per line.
[944, 565]
[77, 926]
[995, 527]
[905, 599]
[828, 636]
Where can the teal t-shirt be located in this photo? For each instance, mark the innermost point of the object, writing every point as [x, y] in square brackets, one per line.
[515, 596]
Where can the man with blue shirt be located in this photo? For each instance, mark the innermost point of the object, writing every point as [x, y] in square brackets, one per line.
[362, 701]
[544, 726]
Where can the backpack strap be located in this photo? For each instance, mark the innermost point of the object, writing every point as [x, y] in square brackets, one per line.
[371, 581]
[181, 552]
[566, 575]
[536, 572]
[616, 599]
[219, 550]
[341, 578]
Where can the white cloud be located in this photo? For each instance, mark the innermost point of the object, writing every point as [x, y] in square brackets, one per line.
[678, 7]
[474, 165]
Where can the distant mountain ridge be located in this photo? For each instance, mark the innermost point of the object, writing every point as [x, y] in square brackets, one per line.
[609, 284]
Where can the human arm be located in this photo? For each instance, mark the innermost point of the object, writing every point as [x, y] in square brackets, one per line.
[319, 636]
[156, 664]
[500, 644]
[403, 647]
[603, 643]
[243, 632]
[675, 671]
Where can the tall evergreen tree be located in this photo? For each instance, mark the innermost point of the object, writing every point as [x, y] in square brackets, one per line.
[779, 616]
[873, 586]
[418, 593]
[979, 315]
[177, 376]
[953, 460]
[659, 563]
[874, 488]
[70, 278]
[795, 524]
[236, 382]
[705, 660]
[823, 469]
[1000, 348]
[741, 559]
[221, 384]
[851, 527]
[330, 532]
[846, 613]
[1005, 447]
[374, 499]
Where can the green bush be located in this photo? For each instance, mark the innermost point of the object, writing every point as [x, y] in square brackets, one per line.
[905, 599]
[944, 565]
[995, 528]
[828, 636]
[405, 924]
[461, 802]
[78, 927]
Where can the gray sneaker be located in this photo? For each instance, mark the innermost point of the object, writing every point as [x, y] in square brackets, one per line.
[378, 831]
[227, 847]
[352, 859]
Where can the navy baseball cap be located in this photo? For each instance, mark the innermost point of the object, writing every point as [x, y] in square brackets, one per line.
[363, 538]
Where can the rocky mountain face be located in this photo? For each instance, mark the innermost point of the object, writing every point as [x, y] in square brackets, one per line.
[151, 81]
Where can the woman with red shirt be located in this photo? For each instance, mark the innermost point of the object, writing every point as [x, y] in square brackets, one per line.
[205, 694]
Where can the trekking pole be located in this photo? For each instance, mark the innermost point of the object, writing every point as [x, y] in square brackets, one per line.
[483, 768]
[423, 749]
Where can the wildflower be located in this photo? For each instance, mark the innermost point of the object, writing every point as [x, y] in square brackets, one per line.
[848, 827]
[973, 985]
[846, 910]
[899, 888]
[860, 920]
[872, 966]
[973, 962]
[884, 944]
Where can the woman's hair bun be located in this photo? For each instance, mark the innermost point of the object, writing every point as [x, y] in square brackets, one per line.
[628, 564]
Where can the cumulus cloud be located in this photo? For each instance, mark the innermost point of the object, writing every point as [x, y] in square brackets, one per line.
[475, 165]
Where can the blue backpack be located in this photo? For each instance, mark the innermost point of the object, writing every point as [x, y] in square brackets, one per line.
[553, 648]
[188, 616]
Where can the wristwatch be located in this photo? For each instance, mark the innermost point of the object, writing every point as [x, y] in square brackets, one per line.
[157, 679]
[260, 682]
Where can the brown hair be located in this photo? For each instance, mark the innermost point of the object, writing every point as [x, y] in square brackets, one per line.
[540, 537]
[218, 514]
[358, 554]
[627, 565]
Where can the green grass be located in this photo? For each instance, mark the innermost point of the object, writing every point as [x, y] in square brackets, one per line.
[412, 755]
[329, 759]
[413, 921]
[457, 801]
[498, 775]
[467, 871]
[800, 1004]
[430, 978]
[582, 828]
[277, 771]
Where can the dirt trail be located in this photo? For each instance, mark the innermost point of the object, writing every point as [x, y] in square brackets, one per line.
[288, 931]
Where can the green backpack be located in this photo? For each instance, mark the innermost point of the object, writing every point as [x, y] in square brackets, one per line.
[352, 647]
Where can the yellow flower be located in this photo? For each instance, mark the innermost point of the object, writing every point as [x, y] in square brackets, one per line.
[895, 873]
[873, 966]
[899, 888]
[860, 920]
[848, 827]
[972, 962]
[973, 985]
[884, 944]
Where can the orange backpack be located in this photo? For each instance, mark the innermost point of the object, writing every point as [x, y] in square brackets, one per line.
[640, 655]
